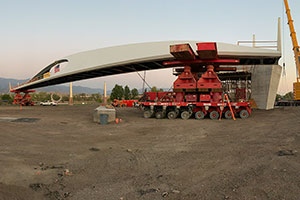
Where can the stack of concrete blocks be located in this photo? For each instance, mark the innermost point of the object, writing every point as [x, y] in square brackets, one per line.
[111, 112]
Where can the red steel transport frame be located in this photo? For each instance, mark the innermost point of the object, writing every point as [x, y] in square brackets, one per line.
[24, 100]
[197, 90]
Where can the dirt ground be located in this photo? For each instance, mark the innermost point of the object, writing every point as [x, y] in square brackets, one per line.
[64, 155]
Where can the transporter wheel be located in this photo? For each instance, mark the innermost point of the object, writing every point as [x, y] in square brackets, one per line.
[147, 114]
[199, 115]
[159, 115]
[185, 115]
[228, 114]
[172, 115]
[214, 115]
[244, 114]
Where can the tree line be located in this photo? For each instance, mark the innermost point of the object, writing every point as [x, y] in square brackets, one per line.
[288, 96]
[118, 92]
[45, 96]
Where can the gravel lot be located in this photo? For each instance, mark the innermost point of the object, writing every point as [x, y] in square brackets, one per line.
[62, 154]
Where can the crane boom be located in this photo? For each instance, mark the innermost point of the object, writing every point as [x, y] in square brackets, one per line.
[296, 49]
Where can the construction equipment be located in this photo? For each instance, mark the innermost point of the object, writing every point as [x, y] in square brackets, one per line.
[118, 103]
[124, 103]
[295, 49]
[128, 103]
[197, 90]
[24, 100]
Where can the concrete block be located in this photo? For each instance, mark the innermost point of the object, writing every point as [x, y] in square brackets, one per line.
[264, 85]
[111, 112]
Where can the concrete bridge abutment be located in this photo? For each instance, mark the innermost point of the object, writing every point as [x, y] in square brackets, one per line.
[264, 85]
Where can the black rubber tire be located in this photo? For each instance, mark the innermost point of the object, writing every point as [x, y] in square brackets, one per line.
[214, 115]
[199, 115]
[244, 114]
[185, 115]
[159, 115]
[172, 115]
[147, 114]
[228, 114]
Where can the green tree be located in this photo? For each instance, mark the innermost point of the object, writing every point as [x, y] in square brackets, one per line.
[97, 97]
[41, 96]
[56, 97]
[117, 92]
[82, 96]
[65, 98]
[134, 93]
[154, 89]
[7, 98]
[288, 96]
[278, 97]
[127, 94]
[77, 97]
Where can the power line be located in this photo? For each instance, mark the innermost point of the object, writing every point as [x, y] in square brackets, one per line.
[144, 81]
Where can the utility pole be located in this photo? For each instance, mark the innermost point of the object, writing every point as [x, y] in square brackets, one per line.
[143, 90]
[71, 95]
[9, 85]
[105, 94]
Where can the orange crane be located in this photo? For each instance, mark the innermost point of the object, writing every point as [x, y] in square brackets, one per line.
[296, 50]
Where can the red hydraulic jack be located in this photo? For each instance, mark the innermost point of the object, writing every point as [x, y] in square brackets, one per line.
[24, 100]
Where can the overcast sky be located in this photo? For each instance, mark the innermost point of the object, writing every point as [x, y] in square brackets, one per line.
[34, 33]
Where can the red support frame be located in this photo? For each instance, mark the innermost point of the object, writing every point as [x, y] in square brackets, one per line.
[23, 100]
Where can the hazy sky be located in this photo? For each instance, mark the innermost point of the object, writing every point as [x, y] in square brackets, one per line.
[34, 33]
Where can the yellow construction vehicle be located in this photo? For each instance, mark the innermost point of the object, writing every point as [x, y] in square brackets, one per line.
[296, 50]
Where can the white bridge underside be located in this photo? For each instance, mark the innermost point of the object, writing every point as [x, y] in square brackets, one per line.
[138, 57]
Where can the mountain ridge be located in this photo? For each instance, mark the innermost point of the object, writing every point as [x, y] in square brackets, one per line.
[4, 87]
